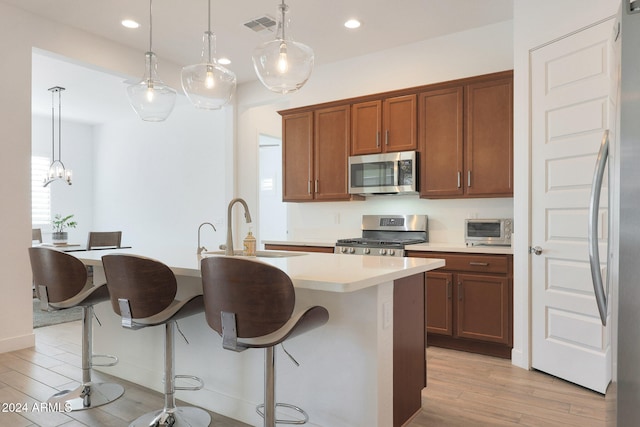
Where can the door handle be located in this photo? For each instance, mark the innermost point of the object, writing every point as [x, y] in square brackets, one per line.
[459, 178]
[378, 139]
[386, 139]
[449, 290]
[460, 293]
[537, 250]
[594, 206]
[479, 264]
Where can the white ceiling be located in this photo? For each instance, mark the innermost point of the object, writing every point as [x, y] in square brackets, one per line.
[178, 27]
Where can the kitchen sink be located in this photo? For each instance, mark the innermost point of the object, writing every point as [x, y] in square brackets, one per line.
[260, 254]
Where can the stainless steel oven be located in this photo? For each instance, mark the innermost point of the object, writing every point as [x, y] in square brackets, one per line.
[386, 235]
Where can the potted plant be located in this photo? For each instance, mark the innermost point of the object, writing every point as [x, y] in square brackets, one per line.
[60, 223]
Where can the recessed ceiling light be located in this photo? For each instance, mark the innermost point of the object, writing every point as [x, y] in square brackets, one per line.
[352, 23]
[130, 23]
[224, 61]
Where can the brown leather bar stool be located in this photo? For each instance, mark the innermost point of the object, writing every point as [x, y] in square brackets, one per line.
[251, 305]
[143, 293]
[61, 281]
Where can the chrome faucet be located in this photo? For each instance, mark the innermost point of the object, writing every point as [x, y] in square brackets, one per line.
[228, 249]
[202, 248]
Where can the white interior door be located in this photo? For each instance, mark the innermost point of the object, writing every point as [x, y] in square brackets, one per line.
[573, 103]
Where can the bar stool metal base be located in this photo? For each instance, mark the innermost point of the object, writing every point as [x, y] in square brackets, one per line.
[260, 411]
[87, 396]
[181, 416]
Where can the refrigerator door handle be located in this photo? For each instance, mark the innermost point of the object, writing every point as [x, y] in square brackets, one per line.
[594, 206]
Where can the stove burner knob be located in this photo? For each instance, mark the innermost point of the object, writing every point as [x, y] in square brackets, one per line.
[366, 251]
[391, 252]
[352, 250]
[383, 251]
[343, 250]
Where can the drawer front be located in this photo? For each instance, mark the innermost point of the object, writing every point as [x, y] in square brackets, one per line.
[469, 262]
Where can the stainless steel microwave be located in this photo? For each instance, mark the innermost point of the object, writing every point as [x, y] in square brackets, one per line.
[387, 173]
[496, 232]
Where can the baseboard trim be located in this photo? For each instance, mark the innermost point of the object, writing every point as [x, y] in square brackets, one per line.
[17, 343]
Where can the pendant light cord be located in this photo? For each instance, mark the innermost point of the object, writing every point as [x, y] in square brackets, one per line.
[209, 34]
[283, 8]
[150, 26]
[53, 128]
[60, 125]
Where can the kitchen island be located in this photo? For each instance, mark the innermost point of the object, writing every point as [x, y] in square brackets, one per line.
[354, 371]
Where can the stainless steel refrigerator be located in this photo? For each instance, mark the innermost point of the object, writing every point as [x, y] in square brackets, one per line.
[623, 253]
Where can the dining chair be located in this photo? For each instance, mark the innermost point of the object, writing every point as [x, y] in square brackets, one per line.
[102, 239]
[36, 235]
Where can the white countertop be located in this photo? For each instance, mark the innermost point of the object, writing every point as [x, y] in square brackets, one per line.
[425, 247]
[462, 248]
[324, 244]
[316, 271]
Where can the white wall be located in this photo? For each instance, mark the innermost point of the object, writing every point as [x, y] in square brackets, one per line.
[479, 51]
[535, 23]
[158, 181]
[77, 155]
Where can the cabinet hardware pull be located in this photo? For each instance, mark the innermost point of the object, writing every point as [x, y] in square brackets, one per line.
[460, 293]
[378, 139]
[386, 141]
[468, 178]
[479, 264]
[316, 185]
[459, 178]
[449, 290]
[309, 186]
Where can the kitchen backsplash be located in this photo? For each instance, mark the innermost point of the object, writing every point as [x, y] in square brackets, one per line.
[331, 221]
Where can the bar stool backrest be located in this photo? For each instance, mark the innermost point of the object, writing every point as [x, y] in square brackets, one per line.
[64, 275]
[149, 285]
[261, 296]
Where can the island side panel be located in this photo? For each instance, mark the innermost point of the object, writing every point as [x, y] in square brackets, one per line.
[409, 355]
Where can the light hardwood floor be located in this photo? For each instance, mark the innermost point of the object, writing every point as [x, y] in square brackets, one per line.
[463, 390]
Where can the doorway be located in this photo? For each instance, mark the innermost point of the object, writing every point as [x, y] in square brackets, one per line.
[272, 210]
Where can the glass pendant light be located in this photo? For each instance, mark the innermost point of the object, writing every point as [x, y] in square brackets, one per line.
[151, 98]
[208, 85]
[283, 65]
[57, 171]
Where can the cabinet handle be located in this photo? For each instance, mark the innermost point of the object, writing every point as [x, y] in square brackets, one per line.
[309, 187]
[378, 139]
[386, 140]
[479, 264]
[449, 290]
[460, 292]
[459, 179]
[468, 178]
[316, 185]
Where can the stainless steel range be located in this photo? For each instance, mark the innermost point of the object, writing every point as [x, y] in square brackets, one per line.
[386, 235]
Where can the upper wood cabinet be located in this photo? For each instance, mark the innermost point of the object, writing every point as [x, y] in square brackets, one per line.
[315, 152]
[462, 129]
[466, 139]
[386, 125]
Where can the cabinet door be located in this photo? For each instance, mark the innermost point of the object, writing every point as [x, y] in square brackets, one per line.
[482, 308]
[297, 152]
[489, 138]
[441, 138]
[366, 128]
[399, 123]
[438, 301]
[331, 153]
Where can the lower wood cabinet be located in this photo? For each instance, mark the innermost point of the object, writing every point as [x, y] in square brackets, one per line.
[297, 248]
[469, 303]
